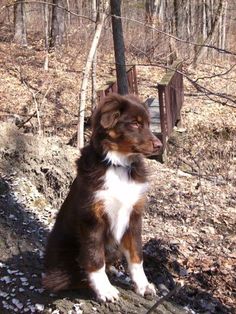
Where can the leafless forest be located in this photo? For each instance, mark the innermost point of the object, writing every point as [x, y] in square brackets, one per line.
[55, 56]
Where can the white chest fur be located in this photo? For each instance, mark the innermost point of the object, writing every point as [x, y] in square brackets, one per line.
[119, 194]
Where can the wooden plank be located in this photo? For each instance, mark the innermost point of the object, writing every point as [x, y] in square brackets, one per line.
[170, 72]
[154, 110]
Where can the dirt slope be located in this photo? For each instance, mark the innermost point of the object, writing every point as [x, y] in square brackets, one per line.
[35, 175]
[183, 240]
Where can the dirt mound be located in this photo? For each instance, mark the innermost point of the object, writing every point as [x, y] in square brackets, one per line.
[35, 173]
[45, 162]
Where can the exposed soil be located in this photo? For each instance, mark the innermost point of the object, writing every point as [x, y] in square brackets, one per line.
[35, 175]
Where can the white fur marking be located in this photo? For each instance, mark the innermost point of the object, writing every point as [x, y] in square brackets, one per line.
[119, 194]
[117, 159]
[102, 286]
[142, 286]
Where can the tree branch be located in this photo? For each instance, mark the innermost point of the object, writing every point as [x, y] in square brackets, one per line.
[48, 3]
[220, 50]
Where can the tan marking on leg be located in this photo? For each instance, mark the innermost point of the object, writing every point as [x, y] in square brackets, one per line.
[140, 205]
[128, 244]
[98, 209]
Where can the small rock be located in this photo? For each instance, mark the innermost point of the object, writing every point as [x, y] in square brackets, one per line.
[41, 290]
[10, 272]
[3, 294]
[17, 303]
[39, 307]
[77, 308]
[25, 283]
[7, 279]
[5, 305]
[32, 308]
[12, 217]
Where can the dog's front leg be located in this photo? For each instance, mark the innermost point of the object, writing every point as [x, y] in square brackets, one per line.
[131, 245]
[93, 260]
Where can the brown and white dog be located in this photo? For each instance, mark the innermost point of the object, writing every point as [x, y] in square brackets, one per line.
[105, 202]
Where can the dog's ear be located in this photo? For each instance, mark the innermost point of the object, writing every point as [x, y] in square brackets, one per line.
[109, 119]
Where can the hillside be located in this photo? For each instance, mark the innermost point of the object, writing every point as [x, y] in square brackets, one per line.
[189, 225]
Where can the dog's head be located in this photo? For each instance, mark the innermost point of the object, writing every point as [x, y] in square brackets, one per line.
[121, 124]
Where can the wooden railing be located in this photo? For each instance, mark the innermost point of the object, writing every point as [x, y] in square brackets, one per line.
[111, 85]
[171, 96]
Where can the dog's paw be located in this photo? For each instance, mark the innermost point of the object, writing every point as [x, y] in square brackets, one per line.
[145, 289]
[108, 293]
[101, 285]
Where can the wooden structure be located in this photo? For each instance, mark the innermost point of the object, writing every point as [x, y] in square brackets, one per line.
[111, 86]
[170, 99]
[165, 109]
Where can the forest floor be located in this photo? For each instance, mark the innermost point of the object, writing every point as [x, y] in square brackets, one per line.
[189, 225]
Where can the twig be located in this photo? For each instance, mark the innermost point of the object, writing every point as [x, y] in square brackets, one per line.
[165, 298]
[215, 75]
[51, 4]
[37, 113]
[24, 122]
[220, 50]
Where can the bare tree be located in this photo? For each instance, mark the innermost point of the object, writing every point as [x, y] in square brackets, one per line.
[83, 90]
[20, 23]
[218, 14]
[95, 16]
[58, 23]
[119, 47]
[151, 11]
[46, 27]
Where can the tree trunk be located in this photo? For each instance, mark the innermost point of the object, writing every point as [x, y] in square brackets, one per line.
[68, 15]
[224, 25]
[20, 23]
[58, 23]
[84, 84]
[119, 48]
[46, 27]
[95, 17]
[209, 38]
[176, 15]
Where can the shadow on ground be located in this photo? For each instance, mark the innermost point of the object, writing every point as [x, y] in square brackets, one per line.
[22, 241]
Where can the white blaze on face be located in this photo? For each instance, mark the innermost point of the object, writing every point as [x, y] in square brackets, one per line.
[102, 286]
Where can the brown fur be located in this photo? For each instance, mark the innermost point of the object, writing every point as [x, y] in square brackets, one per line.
[77, 244]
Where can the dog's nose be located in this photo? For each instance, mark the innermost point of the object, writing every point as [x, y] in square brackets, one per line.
[157, 144]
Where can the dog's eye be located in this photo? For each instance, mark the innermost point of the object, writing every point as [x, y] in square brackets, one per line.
[135, 125]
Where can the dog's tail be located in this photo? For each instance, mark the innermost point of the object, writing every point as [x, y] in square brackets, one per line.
[59, 280]
[56, 280]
